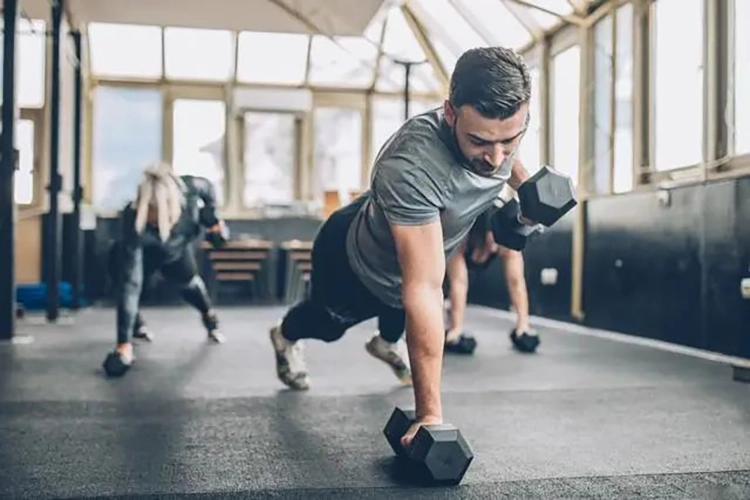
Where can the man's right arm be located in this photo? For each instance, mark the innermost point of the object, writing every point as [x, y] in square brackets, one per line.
[422, 260]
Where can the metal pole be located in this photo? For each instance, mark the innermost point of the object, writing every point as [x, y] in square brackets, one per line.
[407, 86]
[76, 264]
[8, 163]
[52, 253]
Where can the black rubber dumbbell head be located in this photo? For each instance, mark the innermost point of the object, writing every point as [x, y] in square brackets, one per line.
[546, 196]
[441, 454]
[438, 454]
[397, 426]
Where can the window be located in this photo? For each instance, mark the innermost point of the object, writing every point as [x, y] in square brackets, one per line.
[347, 62]
[30, 62]
[198, 141]
[565, 99]
[613, 149]
[286, 63]
[678, 96]
[623, 168]
[602, 109]
[269, 158]
[445, 24]
[24, 176]
[125, 50]
[199, 54]
[338, 150]
[742, 76]
[127, 138]
[531, 144]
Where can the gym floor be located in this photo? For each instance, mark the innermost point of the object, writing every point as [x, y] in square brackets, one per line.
[586, 417]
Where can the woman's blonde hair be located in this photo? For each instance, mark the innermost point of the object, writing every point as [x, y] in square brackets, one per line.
[162, 190]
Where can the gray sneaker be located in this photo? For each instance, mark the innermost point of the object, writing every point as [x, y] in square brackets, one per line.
[290, 361]
[388, 354]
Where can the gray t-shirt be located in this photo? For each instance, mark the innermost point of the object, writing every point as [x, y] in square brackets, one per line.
[418, 178]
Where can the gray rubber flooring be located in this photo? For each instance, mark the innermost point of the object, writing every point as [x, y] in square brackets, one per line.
[583, 418]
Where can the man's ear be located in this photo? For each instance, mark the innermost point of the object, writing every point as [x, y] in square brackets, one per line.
[450, 113]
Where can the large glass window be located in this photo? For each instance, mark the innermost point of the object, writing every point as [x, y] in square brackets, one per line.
[565, 114]
[742, 76]
[269, 158]
[531, 144]
[338, 149]
[602, 109]
[347, 62]
[286, 63]
[613, 148]
[623, 168]
[24, 176]
[125, 50]
[198, 54]
[678, 93]
[30, 62]
[198, 141]
[127, 137]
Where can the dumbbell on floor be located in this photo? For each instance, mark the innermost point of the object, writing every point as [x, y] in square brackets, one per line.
[438, 454]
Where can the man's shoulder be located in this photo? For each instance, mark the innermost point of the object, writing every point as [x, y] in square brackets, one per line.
[417, 149]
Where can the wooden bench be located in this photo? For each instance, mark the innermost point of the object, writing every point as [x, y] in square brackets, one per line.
[298, 266]
[241, 261]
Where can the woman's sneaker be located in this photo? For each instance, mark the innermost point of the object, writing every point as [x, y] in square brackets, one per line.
[211, 322]
[290, 361]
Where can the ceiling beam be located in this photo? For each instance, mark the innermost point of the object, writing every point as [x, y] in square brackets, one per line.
[420, 33]
[523, 17]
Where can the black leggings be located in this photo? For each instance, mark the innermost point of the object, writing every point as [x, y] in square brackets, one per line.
[338, 300]
[182, 271]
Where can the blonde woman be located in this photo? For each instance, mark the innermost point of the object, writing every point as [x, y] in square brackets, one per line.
[158, 230]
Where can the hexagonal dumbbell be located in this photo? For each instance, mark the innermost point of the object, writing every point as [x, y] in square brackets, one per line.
[546, 196]
[438, 454]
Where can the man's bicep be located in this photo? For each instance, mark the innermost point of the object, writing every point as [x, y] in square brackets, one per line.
[420, 253]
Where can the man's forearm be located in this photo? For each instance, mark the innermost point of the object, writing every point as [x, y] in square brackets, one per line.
[425, 338]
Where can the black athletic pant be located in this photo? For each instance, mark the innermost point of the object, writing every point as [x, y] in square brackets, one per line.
[338, 300]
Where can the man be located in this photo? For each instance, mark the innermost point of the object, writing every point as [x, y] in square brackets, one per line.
[385, 254]
[158, 231]
[478, 252]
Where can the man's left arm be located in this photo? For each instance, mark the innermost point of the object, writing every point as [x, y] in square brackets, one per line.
[216, 231]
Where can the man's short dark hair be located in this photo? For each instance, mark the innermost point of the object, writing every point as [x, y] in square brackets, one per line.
[493, 80]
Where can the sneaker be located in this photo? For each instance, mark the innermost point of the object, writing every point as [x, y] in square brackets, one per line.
[211, 322]
[525, 342]
[143, 333]
[290, 361]
[388, 353]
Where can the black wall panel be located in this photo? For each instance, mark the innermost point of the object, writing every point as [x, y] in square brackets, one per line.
[660, 264]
